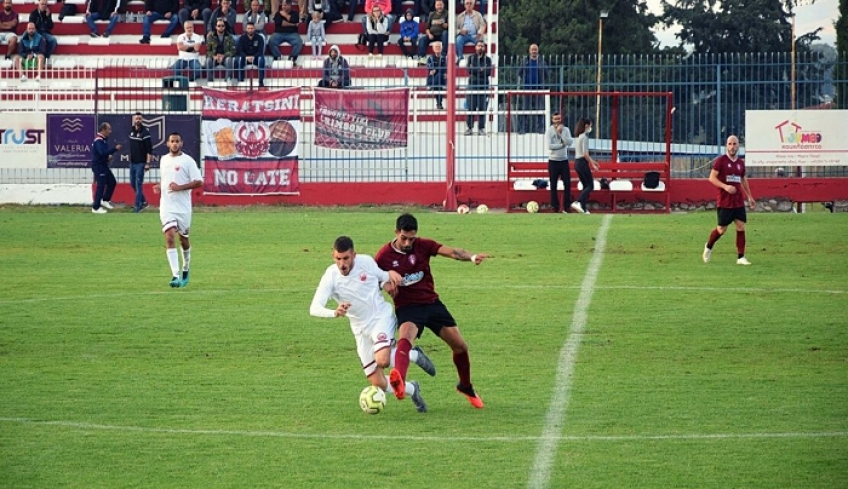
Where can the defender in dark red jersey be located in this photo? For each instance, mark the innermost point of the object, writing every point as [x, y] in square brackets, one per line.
[728, 175]
[417, 304]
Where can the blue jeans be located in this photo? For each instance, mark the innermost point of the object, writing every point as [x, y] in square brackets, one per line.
[258, 61]
[96, 16]
[424, 41]
[461, 41]
[50, 42]
[292, 38]
[137, 180]
[188, 64]
[153, 17]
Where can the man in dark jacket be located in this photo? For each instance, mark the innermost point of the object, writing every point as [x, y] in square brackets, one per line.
[102, 10]
[479, 70]
[100, 156]
[196, 10]
[157, 10]
[43, 20]
[220, 50]
[250, 50]
[141, 154]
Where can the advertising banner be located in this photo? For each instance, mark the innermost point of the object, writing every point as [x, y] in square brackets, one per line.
[160, 126]
[69, 140]
[251, 141]
[361, 119]
[23, 140]
[789, 138]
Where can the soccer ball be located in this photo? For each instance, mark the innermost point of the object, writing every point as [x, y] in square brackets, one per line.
[482, 209]
[463, 209]
[372, 400]
[532, 207]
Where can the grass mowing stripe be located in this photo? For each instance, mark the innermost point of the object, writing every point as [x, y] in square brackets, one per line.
[474, 286]
[359, 436]
[540, 473]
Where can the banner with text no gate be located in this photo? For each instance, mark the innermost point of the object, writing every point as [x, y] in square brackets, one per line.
[361, 119]
[251, 142]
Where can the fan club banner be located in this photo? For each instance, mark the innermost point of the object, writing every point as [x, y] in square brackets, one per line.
[361, 119]
[251, 141]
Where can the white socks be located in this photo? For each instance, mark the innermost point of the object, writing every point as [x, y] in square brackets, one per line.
[410, 388]
[413, 357]
[173, 261]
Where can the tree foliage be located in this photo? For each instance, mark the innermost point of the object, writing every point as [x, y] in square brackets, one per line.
[841, 73]
[736, 26]
[564, 27]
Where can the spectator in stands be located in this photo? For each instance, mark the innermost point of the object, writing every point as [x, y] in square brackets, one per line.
[196, 10]
[188, 52]
[437, 30]
[316, 34]
[268, 8]
[352, 4]
[43, 20]
[377, 30]
[157, 10]
[336, 70]
[326, 9]
[8, 28]
[385, 8]
[285, 31]
[479, 70]
[31, 53]
[220, 50]
[408, 34]
[250, 50]
[141, 154]
[532, 75]
[470, 28]
[256, 16]
[437, 72]
[101, 10]
[583, 164]
[101, 154]
[559, 139]
[226, 12]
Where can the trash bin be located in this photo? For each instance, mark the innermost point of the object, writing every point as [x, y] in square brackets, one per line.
[175, 95]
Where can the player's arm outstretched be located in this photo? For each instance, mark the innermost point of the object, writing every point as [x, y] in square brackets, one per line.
[462, 255]
[324, 293]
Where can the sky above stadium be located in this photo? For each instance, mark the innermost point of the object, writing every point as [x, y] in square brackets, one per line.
[808, 18]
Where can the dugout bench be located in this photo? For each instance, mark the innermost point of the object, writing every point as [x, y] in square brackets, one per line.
[626, 184]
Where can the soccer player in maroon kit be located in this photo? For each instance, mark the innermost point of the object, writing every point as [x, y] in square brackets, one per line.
[417, 304]
[728, 174]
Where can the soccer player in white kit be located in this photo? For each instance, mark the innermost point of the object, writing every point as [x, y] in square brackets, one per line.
[354, 282]
[179, 176]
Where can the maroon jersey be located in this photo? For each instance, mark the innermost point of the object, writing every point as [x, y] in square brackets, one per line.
[731, 173]
[417, 286]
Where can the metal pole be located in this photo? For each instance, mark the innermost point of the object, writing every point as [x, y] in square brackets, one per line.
[450, 117]
[598, 96]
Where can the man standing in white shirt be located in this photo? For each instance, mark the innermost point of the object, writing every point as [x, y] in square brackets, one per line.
[188, 55]
[179, 176]
[354, 282]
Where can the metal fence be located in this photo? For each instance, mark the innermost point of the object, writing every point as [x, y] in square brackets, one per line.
[711, 95]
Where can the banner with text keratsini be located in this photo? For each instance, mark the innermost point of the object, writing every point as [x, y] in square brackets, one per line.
[361, 119]
[251, 141]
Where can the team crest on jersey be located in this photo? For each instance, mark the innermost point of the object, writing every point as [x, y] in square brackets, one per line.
[382, 337]
[363, 277]
[395, 264]
[176, 168]
[412, 259]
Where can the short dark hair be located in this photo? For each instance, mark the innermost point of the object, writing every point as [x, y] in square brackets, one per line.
[250, 23]
[175, 133]
[406, 222]
[342, 244]
[137, 113]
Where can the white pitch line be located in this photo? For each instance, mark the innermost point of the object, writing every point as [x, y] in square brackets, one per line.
[672, 288]
[540, 473]
[474, 439]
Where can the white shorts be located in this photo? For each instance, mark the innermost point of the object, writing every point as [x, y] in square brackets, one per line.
[7, 36]
[373, 338]
[182, 222]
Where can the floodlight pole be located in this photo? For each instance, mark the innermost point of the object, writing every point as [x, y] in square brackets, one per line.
[604, 14]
